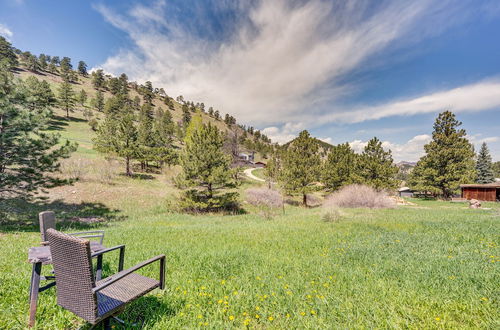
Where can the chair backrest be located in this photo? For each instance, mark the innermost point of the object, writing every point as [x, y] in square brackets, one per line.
[47, 221]
[73, 269]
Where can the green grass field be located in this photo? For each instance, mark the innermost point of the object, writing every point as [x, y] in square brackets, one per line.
[429, 265]
[434, 265]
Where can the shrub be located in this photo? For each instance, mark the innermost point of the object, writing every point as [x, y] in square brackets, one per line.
[74, 168]
[266, 200]
[332, 215]
[356, 196]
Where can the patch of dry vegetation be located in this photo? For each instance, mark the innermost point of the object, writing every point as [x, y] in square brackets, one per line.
[359, 196]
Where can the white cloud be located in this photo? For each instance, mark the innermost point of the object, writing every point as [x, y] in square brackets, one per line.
[5, 31]
[411, 150]
[283, 134]
[469, 98]
[283, 62]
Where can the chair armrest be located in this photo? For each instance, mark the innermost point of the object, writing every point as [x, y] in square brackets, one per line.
[118, 276]
[121, 258]
[90, 234]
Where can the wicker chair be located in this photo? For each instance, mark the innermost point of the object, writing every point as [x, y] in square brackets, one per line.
[48, 220]
[77, 290]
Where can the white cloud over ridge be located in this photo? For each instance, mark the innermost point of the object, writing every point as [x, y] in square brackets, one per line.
[285, 62]
[5, 31]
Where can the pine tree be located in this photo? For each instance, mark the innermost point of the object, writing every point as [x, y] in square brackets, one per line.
[341, 167]
[98, 79]
[164, 130]
[82, 68]
[98, 101]
[28, 154]
[496, 169]
[146, 139]
[448, 160]
[82, 97]
[207, 169]
[65, 66]
[117, 135]
[273, 167]
[37, 93]
[147, 92]
[66, 97]
[376, 166]
[186, 115]
[484, 166]
[301, 166]
[7, 53]
[42, 60]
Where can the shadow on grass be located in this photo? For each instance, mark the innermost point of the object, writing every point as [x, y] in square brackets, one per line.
[139, 176]
[22, 215]
[143, 312]
[59, 123]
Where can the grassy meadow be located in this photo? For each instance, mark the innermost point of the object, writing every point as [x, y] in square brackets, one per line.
[428, 265]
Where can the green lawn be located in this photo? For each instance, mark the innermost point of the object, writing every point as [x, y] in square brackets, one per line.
[433, 265]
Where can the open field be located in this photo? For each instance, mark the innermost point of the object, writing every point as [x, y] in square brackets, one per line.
[432, 265]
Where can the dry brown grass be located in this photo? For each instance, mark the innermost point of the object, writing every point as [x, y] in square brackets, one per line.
[359, 196]
[266, 200]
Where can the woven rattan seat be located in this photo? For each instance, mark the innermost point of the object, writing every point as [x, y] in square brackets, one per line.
[77, 290]
[122, 292]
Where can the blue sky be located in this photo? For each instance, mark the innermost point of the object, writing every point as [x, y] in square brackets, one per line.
[345, 70]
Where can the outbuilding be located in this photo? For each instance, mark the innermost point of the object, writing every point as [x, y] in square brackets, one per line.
[483, 192]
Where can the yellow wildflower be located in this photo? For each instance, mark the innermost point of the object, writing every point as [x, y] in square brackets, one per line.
[257, 316]
[270, 318]
[231, 317]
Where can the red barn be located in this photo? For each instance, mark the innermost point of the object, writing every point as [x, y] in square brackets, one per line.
[483, 192]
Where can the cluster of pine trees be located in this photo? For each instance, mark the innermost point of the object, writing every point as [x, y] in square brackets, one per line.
[28, 154]
[450, 160]
[300, 169]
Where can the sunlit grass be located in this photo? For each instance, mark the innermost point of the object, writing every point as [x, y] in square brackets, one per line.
[425, 266]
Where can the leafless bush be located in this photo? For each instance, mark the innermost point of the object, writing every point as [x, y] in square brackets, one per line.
[104, 171]
[266, 200]
[359, 196]
[74, 168]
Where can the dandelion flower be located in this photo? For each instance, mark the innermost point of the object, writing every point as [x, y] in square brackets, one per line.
[231, 317]
[257, 316]
[200, 316]
[270, 318]
[257, 308]
[303, 313]
[313, 312]
[437, 319]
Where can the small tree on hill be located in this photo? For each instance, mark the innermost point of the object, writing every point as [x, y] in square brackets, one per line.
[117, 135]
[186, 115]
[376, 166]
[82, 97]
[82, 68]
[164, 130]
[98, 79]
[7, 53]
[301, 163]
[341, 167]
[207, 170]
[28, 154]
[146, 138]
[66, 97]
[449, 159]
[484, 166]
[98, 101]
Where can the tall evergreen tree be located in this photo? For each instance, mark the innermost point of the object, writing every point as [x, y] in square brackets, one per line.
[82, 97]
[496, 169]
[186, 115]
[65, 66]
[98, 79]
[28, 154]
[98, 101]
[146, 138]
[376, 166]
[341, 167]
[147, 92]
[301, 163]
[7, 53]
[37, 93]
[164, 130]
[484, 166]
[207, 169]
[448, 160]
[82, 68]
[117, 135]
[66, 97]
[42, 60]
